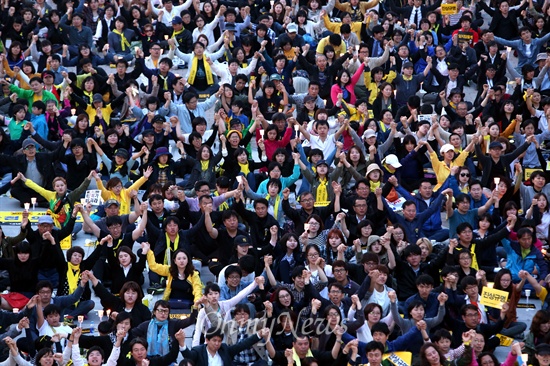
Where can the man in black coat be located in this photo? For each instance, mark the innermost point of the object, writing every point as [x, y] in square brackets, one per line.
[217, 351]
[37, 166]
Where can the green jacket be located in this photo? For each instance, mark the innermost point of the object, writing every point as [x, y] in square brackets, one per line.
[29, 95]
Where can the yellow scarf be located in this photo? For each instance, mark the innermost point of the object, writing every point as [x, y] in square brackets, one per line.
[407, 78]
[165, 79]
[123, 41]
[163, 166]
[118, 167]
[374, 185]
[89, 95]
[169, 250]
[322, 193]
[296, 358]
[275, 205]
[244, 168]
[204, 165]
[388, 168]
[195, 67]
[474, 258]
[175, 33]
[55, 218]
[73, 274]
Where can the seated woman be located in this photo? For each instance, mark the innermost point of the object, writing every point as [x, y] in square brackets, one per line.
[183, 286]
[119, 322]
[161, 330]
[61, 202]
[96, 355]
[124, 267]
[119, 42]
[129, 300]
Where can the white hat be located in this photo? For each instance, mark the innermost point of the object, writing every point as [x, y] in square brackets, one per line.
[445, 148]
[369, 133]
[392, 160]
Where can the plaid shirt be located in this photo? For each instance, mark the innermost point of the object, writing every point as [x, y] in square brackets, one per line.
[248, 355]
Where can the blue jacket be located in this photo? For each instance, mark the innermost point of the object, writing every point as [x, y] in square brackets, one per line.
[519, 45]
[516, 262]
[414, 228]
[433, 223]
[410, 341]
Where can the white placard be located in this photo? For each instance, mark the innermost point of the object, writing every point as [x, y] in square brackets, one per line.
[93, 196]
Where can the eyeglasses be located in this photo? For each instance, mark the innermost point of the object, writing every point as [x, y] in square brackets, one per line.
[285, 296]
[339, 270]
[313, 255]
[335, 292]
[163, 311]
[464, 175]
[234, 277]
[472, 315]
[307, 200]
[333, 314]
[313, 223]
[361, 206]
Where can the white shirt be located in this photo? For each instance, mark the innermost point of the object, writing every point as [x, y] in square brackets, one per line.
[413, 15]
[215, 360]
[327, 146]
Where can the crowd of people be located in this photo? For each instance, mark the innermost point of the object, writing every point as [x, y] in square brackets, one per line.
[320, 160]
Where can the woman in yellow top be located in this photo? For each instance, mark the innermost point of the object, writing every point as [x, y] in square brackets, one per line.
[442, 169]
[116, 191]
[184, 286]
[61, 203]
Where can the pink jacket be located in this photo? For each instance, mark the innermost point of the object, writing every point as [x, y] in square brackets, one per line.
[336, 89]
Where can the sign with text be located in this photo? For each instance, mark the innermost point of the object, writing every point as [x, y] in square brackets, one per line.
[493, 298]
[93, 197]
[448, 9]
[467, 37]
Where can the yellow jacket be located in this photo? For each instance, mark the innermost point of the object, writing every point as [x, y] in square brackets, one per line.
[338, 50]
[335, 27]
[164, 270]
[441, 169]
[373, 88]
[124, 198]
[363, 6]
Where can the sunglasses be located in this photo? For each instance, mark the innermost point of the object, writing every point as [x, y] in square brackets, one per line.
[464, 174]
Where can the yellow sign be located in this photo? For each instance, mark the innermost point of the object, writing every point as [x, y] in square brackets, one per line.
[66, 243]
[493, 298]
[504, 340]
[15, 217]
[448, 9]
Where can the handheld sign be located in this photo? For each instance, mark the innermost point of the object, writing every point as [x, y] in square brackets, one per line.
[448, 9]
[493, 298]
[93, 196]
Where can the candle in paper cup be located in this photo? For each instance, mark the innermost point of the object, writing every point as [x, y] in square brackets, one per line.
[296, 127]
[80, 319]
[108, 312]
[15, 310]
[497, 181]
[306, 227]
[166, 37]
[524, 357]
[136, 49]
[27, 206]
[73, 111]
[33, 200]
[508, 49]
[100, 314]
[325, 102]
[357, 47]
[262, 133]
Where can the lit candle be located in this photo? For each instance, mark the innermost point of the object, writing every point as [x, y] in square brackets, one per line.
[497, 181]
[524, 357]
[27, 206]
[136, 49]
[357, 48]
[306, 227]
[262, 133]
[108, 312]
[296, 127]
[166, 37]
[508, 49]
[15, 310]
[325, 102]
[100, 314]
[73, 111]
[80, 320]
[33, 200]
[395, 93]
[272, 2]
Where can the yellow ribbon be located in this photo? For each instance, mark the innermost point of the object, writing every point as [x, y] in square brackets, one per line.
[195, 67]
[123, 41]
[322, 191]
[169, 250]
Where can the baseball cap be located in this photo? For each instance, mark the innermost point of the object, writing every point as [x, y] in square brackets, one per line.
[46, 219]
[495, 145]
[392, 160]
[27, 143]
[308, 98]
[445, 148]
[292, 28]
[369, 133]
[177, 20]
[97, 98]
[407, 64]
[242, 240]
[110, 202]
[122, 152]
[275, 77]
